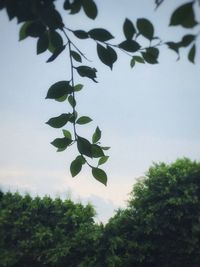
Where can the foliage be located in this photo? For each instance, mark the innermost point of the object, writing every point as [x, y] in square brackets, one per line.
[45, 232]
[161, 226]
[41, 20]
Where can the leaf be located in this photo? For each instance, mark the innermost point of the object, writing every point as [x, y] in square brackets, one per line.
[35, 29]
[55, 41]
[130, 46]
[97, 151]
[62, 98]
[96, 136]
[103, 160]
[192, 53]
[78, 87]
[61, 143]
[90, 8]
[129, 29]
[99, 175]
[76, 166]
[22, 32]
[184, 16]
[83, 120]
[72, 101]
[60, 121]
[85, 71]
[100, 34]
[132, 63]
[81, 34]
[138, 59]
[107, 55]
[67, 134]
[186, 40]
[145, 28]
[59, 89]
[84, 146]
[42, 43]
[56, 53]
[105, 147]
[151, 55]
[76, 56]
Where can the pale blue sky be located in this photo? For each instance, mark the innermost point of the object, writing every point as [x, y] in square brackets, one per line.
[149, 113]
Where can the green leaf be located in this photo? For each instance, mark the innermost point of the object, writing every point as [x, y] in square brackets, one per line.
[62, 98]
[22, 32]
[72, 101]
[90, 8]
[76, 166]
[78, 87]
[51, 17]
[130, 46]
[76, 56]
[132, 63]
[103, 160]
[145, 28]
[67, 134]
[59, 89]
[42, 43]
[107, 55]
[151, 55]
[129, 29]
[85, 71]
[138, 59]
[97, 151]
[100, 34]
[96, 136]
[192, 53]
[56, 53]
[35, 29]
[186, 40]
[60, 121]
[99, 175]
[61, 143]
[184, 16]
[55, 41]
[84, 146]
[105, 147]
[83, 120]
[81, 34]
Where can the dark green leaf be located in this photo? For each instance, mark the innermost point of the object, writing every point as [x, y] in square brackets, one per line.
[62, 98]
[151, 55]
[42, 43]
[67, 134]
[132, 63]
[85, 71]
[55, 41]
[60, 121]
[97, 151]
[76, 166]
[192, 53]
[184, 16]
[59, 89]
[96, 136]
[138, 59]
[130, 46]
[80, 34]
[186, 40]
[129, 29]
[61, 143]
[22, 33]
[90, 8]
[78, 87]
[76, 56]
[83, 120]
[72, 101]
[100, 34]
[35, 29]
[107, 55]
[173, 46]
[99, 175]
[145, 28]
[103, 160]
[51, 17]
[56, 53]
[80, 157]
[84, 146]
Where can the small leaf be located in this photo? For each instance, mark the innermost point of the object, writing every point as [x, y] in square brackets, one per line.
[55, 41]
[132, 63]
[59, 89]
[85, 71]
[145, 28]
[130, 46]
[42, 43]
[100, 34]
[61, 143]
[97, 151]
[99, 175]
[56, 53]
[107, 55]
[22, 33]
[83, 120]
[186, 40]
[129, 29]
[103, 160]
[151, 55]
[60, 121]
[76, 56]
[90, 8]
[192, 53]
[105, 147]
[184, 16]
[35, 29]
[76, 166]
[67, 134]
[96, 136]
[81, 34]
[72, 101]
[138, 59]
[62, 98]
[84, 146]
[78, 87]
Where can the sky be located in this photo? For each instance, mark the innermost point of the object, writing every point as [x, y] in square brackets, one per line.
[147, 114]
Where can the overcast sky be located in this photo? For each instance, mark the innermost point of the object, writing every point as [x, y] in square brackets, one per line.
[147, 114]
